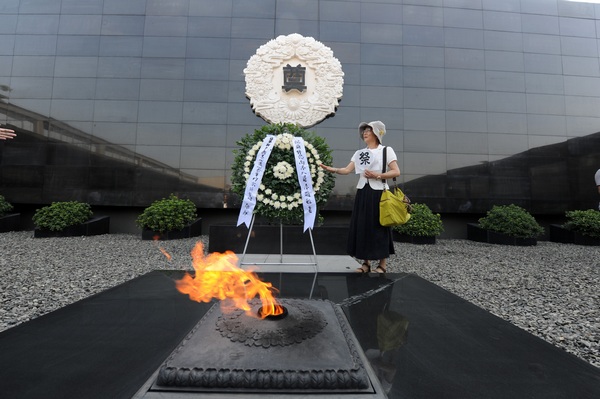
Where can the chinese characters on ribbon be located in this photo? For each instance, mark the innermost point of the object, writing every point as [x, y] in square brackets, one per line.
[305, 181]
[254, 180]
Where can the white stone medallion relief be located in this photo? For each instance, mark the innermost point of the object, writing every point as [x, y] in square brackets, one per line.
[294, 79]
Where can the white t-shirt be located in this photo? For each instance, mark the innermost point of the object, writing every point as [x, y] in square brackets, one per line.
[367, 159]
[597, 177]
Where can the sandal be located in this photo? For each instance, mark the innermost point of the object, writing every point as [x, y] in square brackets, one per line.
[380, 270]
[364, 268]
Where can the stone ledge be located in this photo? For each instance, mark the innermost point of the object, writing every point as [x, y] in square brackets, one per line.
[265, 239]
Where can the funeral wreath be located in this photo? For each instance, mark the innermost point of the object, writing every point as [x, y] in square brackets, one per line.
[279, 194]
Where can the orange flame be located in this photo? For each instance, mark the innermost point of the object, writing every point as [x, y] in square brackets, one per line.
[218, 276]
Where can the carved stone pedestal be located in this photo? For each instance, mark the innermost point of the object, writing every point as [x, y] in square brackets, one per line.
[311, 351]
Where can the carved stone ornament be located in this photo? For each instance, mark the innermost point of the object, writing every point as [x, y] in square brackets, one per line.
[319, 354]
[303, 324]
[276, 98]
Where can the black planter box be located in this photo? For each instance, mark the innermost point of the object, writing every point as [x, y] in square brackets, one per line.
[419, 240]
[561, 235]
[194, 229]
[565, 236]
[10, 222]
[476, 233]
[94, 226]
[265, 239]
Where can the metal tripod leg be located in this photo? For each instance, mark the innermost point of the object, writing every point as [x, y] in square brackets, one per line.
[314, 261]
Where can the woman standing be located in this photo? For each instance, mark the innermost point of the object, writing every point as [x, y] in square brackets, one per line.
[367, 238]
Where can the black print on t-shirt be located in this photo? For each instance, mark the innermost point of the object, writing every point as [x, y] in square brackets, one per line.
[365, 158]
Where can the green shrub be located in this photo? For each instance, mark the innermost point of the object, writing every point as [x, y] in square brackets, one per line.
[60, 215]
[423, 222]
[167, 214]
[584, 222]
[5, 206]
[511, 220]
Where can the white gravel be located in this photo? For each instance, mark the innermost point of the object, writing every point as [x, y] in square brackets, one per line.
[551, 290]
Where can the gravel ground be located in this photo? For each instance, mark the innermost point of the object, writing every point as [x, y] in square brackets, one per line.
[551, 290]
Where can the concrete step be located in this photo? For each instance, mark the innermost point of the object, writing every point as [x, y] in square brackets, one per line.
[269, 263]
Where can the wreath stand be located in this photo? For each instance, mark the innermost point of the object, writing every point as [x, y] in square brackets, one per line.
[313, 257]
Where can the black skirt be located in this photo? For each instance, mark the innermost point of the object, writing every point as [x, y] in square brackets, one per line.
[367, 239]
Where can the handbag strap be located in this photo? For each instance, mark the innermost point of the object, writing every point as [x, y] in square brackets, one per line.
[384, 168]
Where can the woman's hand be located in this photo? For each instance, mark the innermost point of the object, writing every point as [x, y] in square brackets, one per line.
[369, 174]
[328, 168]
[7, 134]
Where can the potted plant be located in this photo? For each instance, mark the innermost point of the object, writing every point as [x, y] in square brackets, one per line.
[581, 227]
[68, 219]
[506, 224]
[422, 227]
[170, 218]
[8, 221]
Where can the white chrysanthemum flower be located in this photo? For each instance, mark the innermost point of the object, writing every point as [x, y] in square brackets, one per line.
[247, 170]
[247, 163]
[277, 205]
[262, 187]
[290, 198]
[252, 152]
[268, 191]
[283, 141]
[260, 197]
[297, 195]
[320, 180]
[290, 206]
[282, 170]
[246, 176]
[274, 196]
[282, 198]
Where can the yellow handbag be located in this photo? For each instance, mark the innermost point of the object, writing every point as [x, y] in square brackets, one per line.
[394, 206]
[393, 211]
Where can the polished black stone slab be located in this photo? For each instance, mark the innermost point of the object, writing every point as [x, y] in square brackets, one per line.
[440, 346]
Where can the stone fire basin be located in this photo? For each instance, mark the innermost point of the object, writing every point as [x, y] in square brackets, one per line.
[310, 351]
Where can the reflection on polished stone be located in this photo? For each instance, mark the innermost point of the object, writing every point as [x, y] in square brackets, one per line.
[56, 162]
[421, 341]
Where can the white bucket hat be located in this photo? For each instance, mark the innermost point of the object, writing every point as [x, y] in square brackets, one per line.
[377, 126]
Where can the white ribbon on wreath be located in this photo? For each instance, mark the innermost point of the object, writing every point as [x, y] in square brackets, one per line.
[254, 180]
[306, 187]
